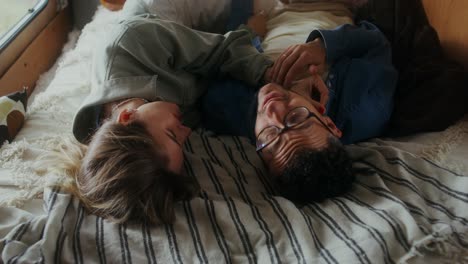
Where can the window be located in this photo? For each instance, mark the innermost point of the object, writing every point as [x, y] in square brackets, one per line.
[21, 21]
[15, 16]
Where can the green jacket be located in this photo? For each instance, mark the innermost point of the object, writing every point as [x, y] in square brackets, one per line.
[149, 58]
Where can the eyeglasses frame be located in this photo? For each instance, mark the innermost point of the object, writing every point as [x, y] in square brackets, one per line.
[286, 128]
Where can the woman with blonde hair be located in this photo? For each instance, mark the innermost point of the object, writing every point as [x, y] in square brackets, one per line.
[148, 75]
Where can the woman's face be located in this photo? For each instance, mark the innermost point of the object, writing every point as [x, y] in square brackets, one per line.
[162, 120]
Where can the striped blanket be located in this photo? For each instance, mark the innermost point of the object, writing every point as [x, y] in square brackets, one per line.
[405, 209]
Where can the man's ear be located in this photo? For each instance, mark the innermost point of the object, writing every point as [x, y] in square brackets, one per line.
[126, 116]
[336, 132]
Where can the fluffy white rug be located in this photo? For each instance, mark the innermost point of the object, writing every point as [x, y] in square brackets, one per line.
[57, 95]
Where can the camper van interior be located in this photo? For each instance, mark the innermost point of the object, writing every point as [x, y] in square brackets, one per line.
[409, 199]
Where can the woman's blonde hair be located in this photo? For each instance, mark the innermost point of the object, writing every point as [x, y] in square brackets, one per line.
[122, 176]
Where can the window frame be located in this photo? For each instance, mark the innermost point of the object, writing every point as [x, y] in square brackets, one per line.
[14, 32]
[10, 52]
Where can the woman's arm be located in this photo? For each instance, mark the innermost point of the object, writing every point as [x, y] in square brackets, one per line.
[165, 47]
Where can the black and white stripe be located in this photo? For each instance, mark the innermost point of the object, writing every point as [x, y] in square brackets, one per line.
[61, 237]
[319, 246]
[339, 233]
[52, 198]
[100, 239]
[149, 251]
[387, 217]
[17, 236]
[173, 246]
[126, 254]
[77, 254]
[272, 250]
[413, 188]
[233, 212]
[371, 230]
[296, 247]
[218, 233]
[430, 180]
[191, 221]
[265, 181]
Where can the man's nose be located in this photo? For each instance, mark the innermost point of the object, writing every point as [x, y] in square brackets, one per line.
[275, 112]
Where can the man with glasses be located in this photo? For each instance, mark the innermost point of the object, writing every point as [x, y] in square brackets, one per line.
[299, 126]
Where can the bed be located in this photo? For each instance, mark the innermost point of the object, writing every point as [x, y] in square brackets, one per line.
[410, 206]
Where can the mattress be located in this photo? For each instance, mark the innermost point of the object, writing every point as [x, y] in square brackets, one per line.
[410, 206]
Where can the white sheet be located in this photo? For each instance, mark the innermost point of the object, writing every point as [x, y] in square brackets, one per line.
[289, 28]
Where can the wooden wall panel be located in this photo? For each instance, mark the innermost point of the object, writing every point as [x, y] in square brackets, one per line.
[450, 19]
[39, 56]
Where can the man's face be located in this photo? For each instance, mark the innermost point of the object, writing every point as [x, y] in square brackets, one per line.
[274, 103]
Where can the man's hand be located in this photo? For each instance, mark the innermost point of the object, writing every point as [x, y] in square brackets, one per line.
[258, 24]
[298, 61]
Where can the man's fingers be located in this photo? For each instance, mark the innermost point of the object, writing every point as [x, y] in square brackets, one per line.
[320, 108]
[324, 99]
[297, 70]
[278, 63]
[313, 69]
[286, 67]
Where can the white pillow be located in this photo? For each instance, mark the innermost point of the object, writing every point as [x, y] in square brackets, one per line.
[291, 27]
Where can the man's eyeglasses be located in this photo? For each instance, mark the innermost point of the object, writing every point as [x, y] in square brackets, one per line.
[294, 118]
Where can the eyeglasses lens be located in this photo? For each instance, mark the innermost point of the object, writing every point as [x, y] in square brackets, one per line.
[296, 116]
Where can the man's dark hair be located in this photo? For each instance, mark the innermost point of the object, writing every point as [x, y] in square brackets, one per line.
[314, 175]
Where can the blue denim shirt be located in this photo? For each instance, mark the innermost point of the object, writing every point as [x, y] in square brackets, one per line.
[361, 81]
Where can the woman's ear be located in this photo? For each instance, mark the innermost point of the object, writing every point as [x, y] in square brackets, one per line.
[126, 116]
[335, 131]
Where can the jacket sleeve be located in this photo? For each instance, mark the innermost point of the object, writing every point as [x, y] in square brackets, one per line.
[363, 80]
[364, 41]
[165, 46]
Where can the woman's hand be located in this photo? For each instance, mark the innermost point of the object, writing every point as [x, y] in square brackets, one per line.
[258, 24]
[313, 87]
[298, 61]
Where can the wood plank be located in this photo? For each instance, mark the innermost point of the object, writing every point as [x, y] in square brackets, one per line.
[449, 18]
[39, 56]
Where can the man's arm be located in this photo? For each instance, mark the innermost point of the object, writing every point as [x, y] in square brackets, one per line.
[324, 47]
[364, 41]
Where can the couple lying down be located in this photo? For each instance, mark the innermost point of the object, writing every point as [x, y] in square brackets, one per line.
[150, 73]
